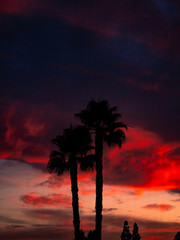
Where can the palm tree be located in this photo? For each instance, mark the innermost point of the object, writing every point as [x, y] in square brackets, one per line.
[73, 146]
[102, 120]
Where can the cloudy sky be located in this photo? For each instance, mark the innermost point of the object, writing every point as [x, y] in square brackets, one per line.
[55, 56]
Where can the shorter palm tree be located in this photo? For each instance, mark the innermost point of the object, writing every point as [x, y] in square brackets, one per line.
[73, 144]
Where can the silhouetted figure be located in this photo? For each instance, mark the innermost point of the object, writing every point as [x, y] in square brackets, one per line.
[102, 119]
[91, 235]
[177, 237]
[136, 235]
[73, 146]
[126, 235]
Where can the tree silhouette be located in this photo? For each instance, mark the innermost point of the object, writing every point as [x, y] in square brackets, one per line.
[102, 120]
[177, 237]
[126, 235]
[82, 235]
[73, 146]
[91, 235]
[136, 235]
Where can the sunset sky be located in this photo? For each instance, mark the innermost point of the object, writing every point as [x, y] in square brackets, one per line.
[57, 55]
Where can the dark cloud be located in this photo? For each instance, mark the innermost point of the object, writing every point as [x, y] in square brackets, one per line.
[53, 181]
[37, 233]
[51, 214]
[13, 226]
[44, 225]
[161, 207]
[109, 209]
[175, 152]
[176, 200]
[34, 199]
[175, 191]
[12, 221]
[10, 167]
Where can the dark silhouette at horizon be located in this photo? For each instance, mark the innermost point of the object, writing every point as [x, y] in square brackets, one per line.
[126, 235]
[177, 236]
[136, 235]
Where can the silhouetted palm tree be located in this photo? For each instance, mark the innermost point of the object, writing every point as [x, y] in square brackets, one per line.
[102, 119]
[73, 146]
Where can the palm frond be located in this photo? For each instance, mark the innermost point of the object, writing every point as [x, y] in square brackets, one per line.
[112, 109]
[58, 141]
[115, 138]
[86, 118]
[57, 163]
[114, 126]
[88, 162]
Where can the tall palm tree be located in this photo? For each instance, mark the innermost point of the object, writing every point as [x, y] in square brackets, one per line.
[73, 145]
[103, 121]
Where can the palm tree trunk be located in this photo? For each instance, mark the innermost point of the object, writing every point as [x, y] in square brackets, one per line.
[99, 181]
[75, 199]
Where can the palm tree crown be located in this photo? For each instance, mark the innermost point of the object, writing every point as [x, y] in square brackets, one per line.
[98, 115]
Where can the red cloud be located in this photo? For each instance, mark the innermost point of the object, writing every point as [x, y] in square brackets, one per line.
[33, 199]
[25, 132]
[144, 162]
[161, 207]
